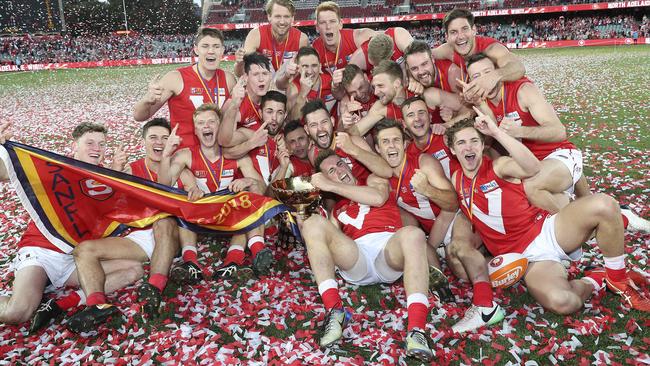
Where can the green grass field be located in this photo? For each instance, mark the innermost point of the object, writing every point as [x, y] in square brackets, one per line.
[602, 96]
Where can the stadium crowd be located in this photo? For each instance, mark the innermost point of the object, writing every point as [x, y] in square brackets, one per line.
[50, 49]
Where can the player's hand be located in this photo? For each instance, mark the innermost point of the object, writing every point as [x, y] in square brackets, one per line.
[239, 90]
[510, 126]
[337, 77]
[420, 182]
[241, 184]
[320, 181]
[474, 99]
[306, 83]
[260, 137]
[415, 86]
[239, 55]
[282, 154]
[292, 68]
[446, 113]
[194, 193]
[438, 129]
[172, 143]
[353, 106]
[485, 124]
[344, 142]
[119, 158]
[481, 86]
[155, 91]
[5, 131]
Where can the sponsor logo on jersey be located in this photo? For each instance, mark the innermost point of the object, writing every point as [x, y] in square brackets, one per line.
[228, 172]
[250, 121]
[201, 173]
[489, 186]
[196, 91]
[440, 154]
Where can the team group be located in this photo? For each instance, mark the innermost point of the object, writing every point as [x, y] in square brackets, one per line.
[417, 151]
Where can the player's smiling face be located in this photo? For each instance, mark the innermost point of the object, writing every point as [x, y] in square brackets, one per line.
[273, 112]
[90, 147]
[329, 27]
[206, 126]
[259, 80]
[309, 66]
[461, 36]
[416, 118]
[280, 19]
[154, 142]
[337, 170]
[319, 127]
[468, 148]
[421, 68]
[209, 51]
[385, 88]
[483, 67]
[390, 145]
[298, 142]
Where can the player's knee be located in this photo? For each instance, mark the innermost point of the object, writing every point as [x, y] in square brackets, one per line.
[165, 225]
[313, 225]
[16, 313]
[134, 272]
[604, 206]
[86, 250]
[562, 302]
[413, 239]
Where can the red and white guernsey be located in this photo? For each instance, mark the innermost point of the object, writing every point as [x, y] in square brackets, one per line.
[398, 55]
[301, 167]
[358, 219]
[196, 91]
[441, 82]
[359, 170]
[264, 159]
[278, 52]
[323, 92]
[501, 213]
[435, 147]
[250, 115]
[480, 44]
[407, 198]
[509, 107]
[32, 237]
[212, 176]
[330, 61]
[140, 169]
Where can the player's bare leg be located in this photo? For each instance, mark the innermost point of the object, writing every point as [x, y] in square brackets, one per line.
[328, 248]
[547, 283]
[27, 291]
[406, 251]
[582, 188]
[575, 223]
[545, 188]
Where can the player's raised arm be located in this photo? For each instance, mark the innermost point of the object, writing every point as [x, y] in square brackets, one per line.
[231, 114]
[430, 181]
[158, 93]
[521, 163]
[550, 127]
[172, 163]
[251, 43]
[509, 68]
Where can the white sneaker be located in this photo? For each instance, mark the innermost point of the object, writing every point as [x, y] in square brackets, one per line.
[335, 323]
[478, 316]
[636, 223]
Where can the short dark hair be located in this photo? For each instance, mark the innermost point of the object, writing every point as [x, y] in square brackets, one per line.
[349, 73]
[161, 122]
[312, 106]
[455, 14]
[476, 58]
[391, 68]
[307, 51]
[292, 126]
[416, 47]
[322, 155]
[386, 123]
[273, 95]
[208, 32]
[408, 101]
[460, 125]
[258, 59]
[86, 127]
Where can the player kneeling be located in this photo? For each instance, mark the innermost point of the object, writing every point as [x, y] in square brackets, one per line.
[493, 198]
[365, 241]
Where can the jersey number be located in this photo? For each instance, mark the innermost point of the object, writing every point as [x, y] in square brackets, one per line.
[493, 218]
[424, 207]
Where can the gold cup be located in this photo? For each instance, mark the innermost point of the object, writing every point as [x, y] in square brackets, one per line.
[298, 193]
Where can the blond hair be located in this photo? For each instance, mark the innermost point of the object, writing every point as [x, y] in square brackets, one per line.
[205, 107]
[328, 6]
[284, 3]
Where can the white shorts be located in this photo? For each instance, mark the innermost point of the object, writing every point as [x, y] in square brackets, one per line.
[546, 248]
[144, 239]
[57, 266]
[447, 240]
[572, 159]
[371, 257]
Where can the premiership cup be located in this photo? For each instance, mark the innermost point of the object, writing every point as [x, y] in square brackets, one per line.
[298, 193]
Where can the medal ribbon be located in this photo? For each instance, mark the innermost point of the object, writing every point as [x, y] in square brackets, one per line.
[468, 201]
[401, 175]
[212, 96]
[336, 57]
[275, 59]
[146, 167]
[211, 171]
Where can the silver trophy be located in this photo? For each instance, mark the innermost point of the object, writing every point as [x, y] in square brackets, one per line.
[299, 193]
